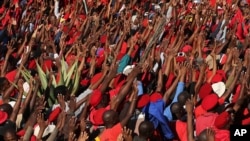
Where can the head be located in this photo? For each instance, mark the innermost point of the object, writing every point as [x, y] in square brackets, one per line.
[183, 97]
[203, 136]
[10, 135]
[4, 84]
[110, 118]
[6, 108]
[146, 129]
[62, 90]
[177, 110]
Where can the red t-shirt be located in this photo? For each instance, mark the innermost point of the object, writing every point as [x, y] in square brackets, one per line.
[204, 121]
[111, 134]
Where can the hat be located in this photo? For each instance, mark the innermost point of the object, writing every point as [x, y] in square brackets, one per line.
[12, 103]
[205, 90]
[217, 78]
[180, 59]
[96, 116]
[143, 100]
[222, 120]
[186, 48]
[54, 114]
[103, 39]
[95, 98]
[128, 69]
[3, 116]
[219, 88]
[209, 102]
[155, 97]
[95, 78]
[47, 131]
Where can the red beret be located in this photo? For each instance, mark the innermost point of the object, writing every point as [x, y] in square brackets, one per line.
[54, 114]
[103, 39]
[96, 116]
[11, 75]
[21, 133]
[143, 100]
[66, 16]
[155, 97]
[222, 120]
[205, 90]
[216, 78]
[3, 116]
[95, 98]
[47, 65]
[209, 102]
[85, 82]
[186, 48]
[221, 73]
[95, 78]
[180, 59]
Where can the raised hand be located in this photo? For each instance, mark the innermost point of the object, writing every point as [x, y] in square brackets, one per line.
[83, 136]
[61, 101]
[72, 124]
[41, 122]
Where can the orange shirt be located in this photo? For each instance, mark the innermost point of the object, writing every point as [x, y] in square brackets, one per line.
[111, 134]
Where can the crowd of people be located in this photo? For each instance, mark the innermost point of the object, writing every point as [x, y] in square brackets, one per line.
[81, 70]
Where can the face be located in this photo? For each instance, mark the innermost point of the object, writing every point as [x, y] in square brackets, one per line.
[10, 137]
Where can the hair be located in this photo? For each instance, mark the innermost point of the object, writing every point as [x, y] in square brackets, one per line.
[202, 136]
[6, 108]
[183, 97]
[2, 81]
[146, 129]
[62, 89]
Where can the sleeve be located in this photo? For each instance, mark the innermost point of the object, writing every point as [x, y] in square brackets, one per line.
[124, 62]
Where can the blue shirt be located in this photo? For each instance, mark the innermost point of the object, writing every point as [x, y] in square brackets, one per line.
[167, 111]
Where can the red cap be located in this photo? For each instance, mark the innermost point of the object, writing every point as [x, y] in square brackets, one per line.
[187, 48]
[84, 82]
[95, 78]
[205, 90]
[21, 133]
[103, 39]
[221, 73]
[209, 102]
[180, 59]
[222, 120]
[96, 116]
[47, 65]
[95, 98]
[143, 100]
[216, 78]
[54, 114]
[155, 97]
[11, 75]
[3, 116]
[66, 16]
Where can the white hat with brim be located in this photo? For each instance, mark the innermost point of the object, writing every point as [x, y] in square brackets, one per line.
[219, 88]
[46, 132]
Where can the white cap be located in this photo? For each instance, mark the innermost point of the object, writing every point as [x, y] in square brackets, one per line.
[128, 69]
[219, 88]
